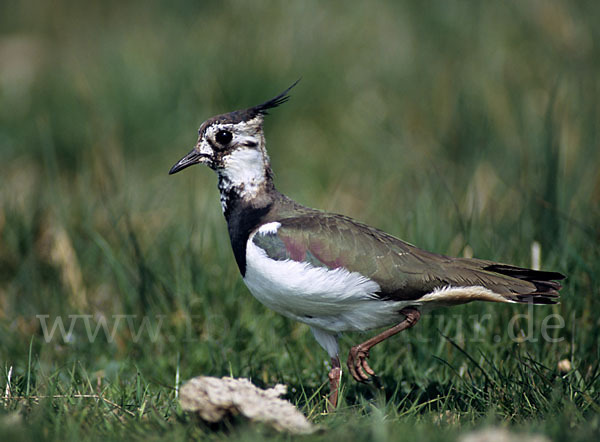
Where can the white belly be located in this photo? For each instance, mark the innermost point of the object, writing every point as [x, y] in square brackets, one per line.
[333, 300]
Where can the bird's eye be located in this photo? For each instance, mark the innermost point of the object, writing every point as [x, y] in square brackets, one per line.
[223, 137]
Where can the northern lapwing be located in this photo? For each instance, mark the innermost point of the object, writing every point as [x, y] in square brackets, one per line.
[327, 270]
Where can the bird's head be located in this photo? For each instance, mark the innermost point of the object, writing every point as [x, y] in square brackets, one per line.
[233, 144]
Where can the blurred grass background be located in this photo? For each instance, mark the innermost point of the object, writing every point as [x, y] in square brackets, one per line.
[462, 127]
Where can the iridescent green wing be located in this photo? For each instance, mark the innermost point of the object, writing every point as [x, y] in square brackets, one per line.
[334, 241]
[403, 271]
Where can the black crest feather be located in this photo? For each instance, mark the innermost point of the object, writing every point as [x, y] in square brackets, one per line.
[252, 112]
[273, 102]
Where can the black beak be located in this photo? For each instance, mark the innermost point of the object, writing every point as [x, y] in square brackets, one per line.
[190, 159]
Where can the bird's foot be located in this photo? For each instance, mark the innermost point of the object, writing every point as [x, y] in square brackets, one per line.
[357, 359]
[358, 365]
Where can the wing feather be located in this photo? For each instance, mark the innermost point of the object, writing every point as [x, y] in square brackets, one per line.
[403, 271]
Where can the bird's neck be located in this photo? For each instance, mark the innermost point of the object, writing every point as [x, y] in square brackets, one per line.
[247, 197]
[245, 180]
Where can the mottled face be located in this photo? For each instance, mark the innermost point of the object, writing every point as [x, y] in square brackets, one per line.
[235, 148]
[233, 145]
[222, 137]
[232, 140]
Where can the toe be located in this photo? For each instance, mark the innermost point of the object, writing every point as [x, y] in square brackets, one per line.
[367, 368]
[351, 368]
[361, 373]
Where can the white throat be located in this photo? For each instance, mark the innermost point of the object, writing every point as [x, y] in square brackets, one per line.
[244, 171]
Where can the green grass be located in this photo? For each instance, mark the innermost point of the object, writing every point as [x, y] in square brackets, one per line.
[457, 126]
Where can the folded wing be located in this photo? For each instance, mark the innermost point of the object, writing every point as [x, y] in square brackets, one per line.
[403, 271]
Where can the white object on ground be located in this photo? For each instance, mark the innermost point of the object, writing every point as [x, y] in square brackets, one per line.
[215, 398]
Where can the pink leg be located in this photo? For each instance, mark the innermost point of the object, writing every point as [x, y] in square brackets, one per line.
[335, 374]
[357, 359]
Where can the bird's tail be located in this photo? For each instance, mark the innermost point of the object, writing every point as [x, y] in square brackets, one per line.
[535, 286]
[467, 279]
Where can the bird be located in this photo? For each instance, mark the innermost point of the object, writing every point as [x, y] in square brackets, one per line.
[329, 271]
